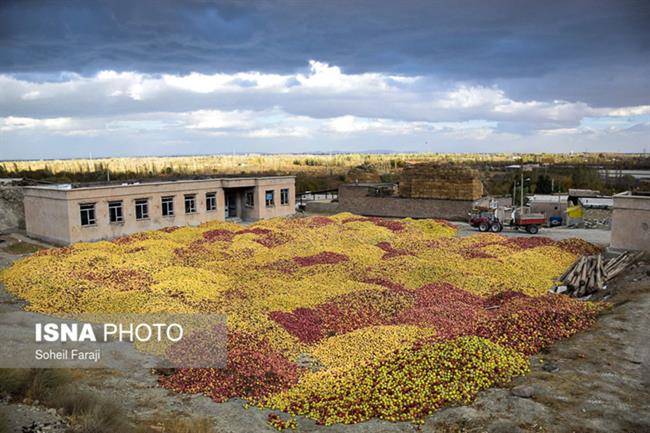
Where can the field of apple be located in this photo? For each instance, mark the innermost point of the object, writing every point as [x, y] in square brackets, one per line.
[340, 318]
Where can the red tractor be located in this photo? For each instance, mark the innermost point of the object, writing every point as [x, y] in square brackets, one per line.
[485, 220]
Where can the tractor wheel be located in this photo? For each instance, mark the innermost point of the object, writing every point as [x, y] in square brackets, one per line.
[496, 227]
[532, 229]
[483, 226]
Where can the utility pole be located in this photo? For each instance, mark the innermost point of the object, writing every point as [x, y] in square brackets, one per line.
[521, 203]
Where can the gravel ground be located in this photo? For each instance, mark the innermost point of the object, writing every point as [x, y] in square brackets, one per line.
[595, 236]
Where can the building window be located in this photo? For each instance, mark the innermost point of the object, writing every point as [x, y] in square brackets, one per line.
[141, 209]
[269, 198]
[87, 211]
[167, 206]
[284, 196]
[190, 203]
[249, 199]
[210, 201]
[115, 213]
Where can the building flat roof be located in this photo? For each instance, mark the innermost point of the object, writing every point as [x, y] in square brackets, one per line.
[370, 184]
[596, 202]
[548, 198]
[146, 182]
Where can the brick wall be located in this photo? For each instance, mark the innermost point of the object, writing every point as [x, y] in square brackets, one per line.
[355, 199]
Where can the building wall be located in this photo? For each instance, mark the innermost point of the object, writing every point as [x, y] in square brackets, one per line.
[278, 209]
[46, 216]
[325, 207]
[153, 193]
[53, 214]
[355, 199]
[631, 222]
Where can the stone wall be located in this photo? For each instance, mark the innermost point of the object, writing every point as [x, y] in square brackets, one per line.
[597, 218]
[12, 211]
[355, 199]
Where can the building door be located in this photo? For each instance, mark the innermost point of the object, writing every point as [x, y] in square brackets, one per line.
[231, 205]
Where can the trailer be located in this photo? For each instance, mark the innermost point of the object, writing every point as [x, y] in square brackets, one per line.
[530, 222]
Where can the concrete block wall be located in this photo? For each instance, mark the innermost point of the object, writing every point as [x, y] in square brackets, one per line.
[354, 198]
[631, 222]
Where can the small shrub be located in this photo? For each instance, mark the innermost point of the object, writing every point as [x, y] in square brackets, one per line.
[103, 417]
[90, 413]
[74, 401]
[22, 248]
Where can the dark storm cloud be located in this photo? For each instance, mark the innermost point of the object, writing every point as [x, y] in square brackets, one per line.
[593, 51]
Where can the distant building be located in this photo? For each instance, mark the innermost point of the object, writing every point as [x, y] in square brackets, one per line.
[575, 194]
[65, 214]
[4, 181]
[596, 202]
[554, 207]
[492, 202]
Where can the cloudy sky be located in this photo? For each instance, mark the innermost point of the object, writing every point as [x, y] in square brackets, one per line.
[140, 78]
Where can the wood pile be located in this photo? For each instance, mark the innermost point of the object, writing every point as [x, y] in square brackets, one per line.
[440, 182]
[589, 274]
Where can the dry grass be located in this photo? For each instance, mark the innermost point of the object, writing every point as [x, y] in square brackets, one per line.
[21, 248]
[89, 412]
[36, 384]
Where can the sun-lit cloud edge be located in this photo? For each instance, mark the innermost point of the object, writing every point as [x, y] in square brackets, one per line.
[321, 103]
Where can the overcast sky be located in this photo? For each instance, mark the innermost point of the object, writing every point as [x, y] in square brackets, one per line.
[140, 78]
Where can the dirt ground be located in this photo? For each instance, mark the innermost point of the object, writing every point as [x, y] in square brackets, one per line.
[597, 381]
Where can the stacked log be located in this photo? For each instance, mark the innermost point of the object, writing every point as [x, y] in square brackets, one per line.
[437, 181]
[589, 274]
